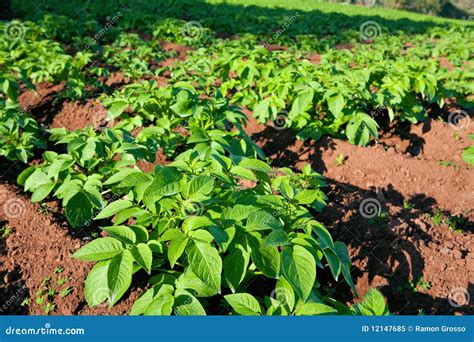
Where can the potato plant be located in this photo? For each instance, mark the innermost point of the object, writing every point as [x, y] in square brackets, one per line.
[202, 237]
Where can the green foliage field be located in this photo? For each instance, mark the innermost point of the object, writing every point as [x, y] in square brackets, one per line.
[194, 227]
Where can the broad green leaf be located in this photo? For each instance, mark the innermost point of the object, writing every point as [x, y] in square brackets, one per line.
[333, 262]
[42, 192]
[373, 303]
[99, 249]
[143, 256]
[113, 208]
[299, 267]
[119, 276]
[205, 263]
[162, 305]
[185, 304]
[235, 267]
[285, 294]
[117, 108]
[267, 259]
[276, 238]
[201, 185]
[336, 103]
[255, 164]
[189, 281]
[312, 309]
[359, 129]
[165, 183]
[468, 155]
[142, 303]
[95, 286]
[122, 233]
[244, 304]
[176, 248]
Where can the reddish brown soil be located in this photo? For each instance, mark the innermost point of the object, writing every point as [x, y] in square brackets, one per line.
[36, 246]
[180, 50]
[116, 79]
[431, 140]
[344, 46]
[274, 47]
[35, 101]
[403, 244]
[75, 115]
[314, 58]
[160, 159]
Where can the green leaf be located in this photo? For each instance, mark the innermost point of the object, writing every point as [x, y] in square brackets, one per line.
[373, 303]
[235, 267]
[188, 280]
[141, 304]
[117, 108]
[99, 249]
[162, 305]
[312, 309]
[95, 286]
[359, 129]
[244, 304]
[267, 259]
[122, 233]
[244, 173]
[165, 183]
[324, 235]
[307, 196]
[468, 155]
[255, 164]
[205, 263]
[345, 261]
[36, 179]
[299, 267]
[42, 192]
[261, 220]
[333, 262]
[200, 185]
[336, 103]
[119, 276]
[176, 248]
[276, 238]
[285, 294]
[113, 208]
[185, 304]
[143, 256]
[184, 103]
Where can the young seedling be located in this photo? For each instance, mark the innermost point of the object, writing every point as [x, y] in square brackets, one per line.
[339, 160]
[4, 231]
